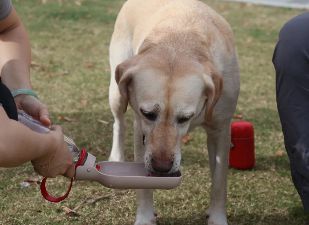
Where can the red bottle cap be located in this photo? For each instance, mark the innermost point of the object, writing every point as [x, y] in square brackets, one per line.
[242, 129]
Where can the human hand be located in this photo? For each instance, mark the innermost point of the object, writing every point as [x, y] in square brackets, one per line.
[58, 159]
[34, 108]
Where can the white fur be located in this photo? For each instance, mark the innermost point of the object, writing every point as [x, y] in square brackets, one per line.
[139, 20]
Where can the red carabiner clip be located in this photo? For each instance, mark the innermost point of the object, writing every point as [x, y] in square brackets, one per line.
[81, 160]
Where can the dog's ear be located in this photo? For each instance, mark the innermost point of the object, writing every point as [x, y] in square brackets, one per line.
[123, 76]
[214, 85]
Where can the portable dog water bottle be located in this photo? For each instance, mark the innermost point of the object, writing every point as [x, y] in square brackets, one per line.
[79, 158]
[242, 153]
[120, 175]
[35, 125]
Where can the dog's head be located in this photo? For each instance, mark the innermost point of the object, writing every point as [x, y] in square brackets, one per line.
[166, 101]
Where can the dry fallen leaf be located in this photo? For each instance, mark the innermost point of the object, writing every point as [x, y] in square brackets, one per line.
[63, 73]
[33, 180]
[99, 149]
[78, 3]
[88, 201]
[185, 139]
[84, 102]
[103, 122]
[280, 153]
[45, 1]
[237, 116]
[65, 118]
[69, 212]
[89, 65]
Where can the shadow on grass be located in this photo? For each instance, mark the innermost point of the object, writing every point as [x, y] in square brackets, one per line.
[197, 218]
[296, 216]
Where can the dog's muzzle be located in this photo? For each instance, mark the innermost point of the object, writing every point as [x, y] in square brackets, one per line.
[161, 166]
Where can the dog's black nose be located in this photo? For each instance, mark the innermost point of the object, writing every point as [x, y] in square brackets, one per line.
[161, 166]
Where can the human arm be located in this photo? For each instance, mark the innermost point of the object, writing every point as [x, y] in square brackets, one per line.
[48, 152]
[15, 61]
[18, 144]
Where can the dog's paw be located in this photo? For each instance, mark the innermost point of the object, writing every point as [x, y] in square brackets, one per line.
[144, 220]
[208, 212]
[217, 219]
[146, 223]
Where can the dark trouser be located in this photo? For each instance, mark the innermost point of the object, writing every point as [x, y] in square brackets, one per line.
[291, 61]
[7, 101]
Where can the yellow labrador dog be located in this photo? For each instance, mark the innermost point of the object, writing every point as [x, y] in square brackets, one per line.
[175, 63]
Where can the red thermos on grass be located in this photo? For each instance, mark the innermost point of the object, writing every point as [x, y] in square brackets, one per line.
[242, 154]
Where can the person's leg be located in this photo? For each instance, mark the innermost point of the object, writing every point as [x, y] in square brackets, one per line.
[291, 61]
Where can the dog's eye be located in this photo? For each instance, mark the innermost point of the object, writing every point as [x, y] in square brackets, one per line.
[183, 119]
[152, 116]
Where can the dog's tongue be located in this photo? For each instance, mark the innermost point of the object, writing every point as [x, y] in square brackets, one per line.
[175, 174]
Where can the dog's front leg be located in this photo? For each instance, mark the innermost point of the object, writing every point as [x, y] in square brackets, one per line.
[145, 211]
[118, 107]
[218, 142]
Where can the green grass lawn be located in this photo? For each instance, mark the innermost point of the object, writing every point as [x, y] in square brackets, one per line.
[70, 71]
